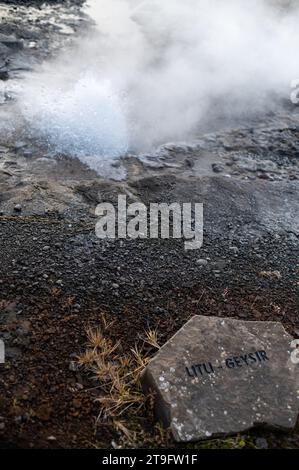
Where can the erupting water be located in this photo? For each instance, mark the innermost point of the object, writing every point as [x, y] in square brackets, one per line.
[84, 118]
[152, 71]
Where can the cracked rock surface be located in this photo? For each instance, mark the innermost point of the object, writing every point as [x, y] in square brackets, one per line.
[218, 377]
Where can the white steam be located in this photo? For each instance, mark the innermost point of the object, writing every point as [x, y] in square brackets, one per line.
[153, 71]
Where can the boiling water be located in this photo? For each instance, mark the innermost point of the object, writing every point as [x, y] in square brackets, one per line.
[152, 71]
[84, 118]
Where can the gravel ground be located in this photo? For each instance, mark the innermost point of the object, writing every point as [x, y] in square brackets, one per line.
[56, 279]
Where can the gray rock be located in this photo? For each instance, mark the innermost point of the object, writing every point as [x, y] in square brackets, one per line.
[19, 145]
[18, 208]
[261, 443]
[218, 168]
[245, 163]
[4, 50]
[266, 165]
[4, 75]
[73, 367]
[218, 377]
[11, 42]
[202, 262]
[28, 153]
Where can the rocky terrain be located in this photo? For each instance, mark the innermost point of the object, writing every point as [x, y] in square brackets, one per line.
[57, 278]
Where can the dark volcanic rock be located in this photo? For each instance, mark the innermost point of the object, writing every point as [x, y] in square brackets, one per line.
[218, 377]
[4, 75]
[41, 2]
[4, 50]
[11, 42]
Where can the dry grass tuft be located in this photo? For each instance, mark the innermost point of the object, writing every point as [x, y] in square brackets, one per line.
[152, 338]
[116, 374]
[123, 406]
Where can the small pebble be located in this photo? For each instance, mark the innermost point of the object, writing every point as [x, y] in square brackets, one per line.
[202, 262]
[18, 208]
[261, 443]
[218, 167]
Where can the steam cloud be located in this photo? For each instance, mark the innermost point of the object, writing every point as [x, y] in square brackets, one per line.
[153, 71]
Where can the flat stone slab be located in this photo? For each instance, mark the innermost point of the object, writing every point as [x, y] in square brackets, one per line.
[218, 377]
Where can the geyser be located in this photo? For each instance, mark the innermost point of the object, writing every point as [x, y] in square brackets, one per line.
[85, 117]
[155, 70]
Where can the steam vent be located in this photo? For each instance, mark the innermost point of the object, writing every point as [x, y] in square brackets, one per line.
[218, 377]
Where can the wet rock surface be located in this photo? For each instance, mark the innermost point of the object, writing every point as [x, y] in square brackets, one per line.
[219, 377]
[29, 33]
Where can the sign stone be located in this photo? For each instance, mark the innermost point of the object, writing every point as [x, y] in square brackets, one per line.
[217, 377]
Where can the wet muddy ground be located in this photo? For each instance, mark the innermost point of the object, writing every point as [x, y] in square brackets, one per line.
[57, 278]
